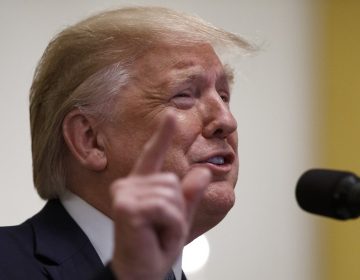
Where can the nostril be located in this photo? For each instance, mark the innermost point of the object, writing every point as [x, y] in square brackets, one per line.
[219, 132]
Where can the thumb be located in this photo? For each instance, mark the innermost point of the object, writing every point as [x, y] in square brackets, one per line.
[193, 185]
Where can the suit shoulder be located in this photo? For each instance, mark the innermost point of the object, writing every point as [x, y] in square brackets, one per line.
[16, 239]
[17, 259]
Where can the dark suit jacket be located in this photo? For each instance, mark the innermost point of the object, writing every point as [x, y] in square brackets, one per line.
[50, 245]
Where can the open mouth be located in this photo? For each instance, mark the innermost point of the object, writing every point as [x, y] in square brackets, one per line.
[217, 160]
[220, 160]
[221, 163]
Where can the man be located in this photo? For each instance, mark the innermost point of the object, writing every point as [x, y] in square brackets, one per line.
[134, 147]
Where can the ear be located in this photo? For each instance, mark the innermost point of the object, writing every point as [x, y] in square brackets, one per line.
[83, 140]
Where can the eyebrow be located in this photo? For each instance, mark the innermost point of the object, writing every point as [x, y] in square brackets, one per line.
[196, 72]
[229, 74]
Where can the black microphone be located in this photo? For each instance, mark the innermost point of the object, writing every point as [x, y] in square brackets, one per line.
[331, 193]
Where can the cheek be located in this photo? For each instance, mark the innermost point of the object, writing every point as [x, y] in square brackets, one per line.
[125, 150]
[177, 159]
[121, 159]
[233, 141]
[178, 156]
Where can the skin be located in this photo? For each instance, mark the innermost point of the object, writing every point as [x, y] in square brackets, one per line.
[168, 122]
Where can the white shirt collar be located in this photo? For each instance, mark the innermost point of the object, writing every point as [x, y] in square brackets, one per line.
[99, 228]
[177, 268]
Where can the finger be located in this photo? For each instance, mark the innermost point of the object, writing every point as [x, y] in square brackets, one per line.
[168, 222]
[164, 185]
[152, 156]
[194, 185]
[155, 219]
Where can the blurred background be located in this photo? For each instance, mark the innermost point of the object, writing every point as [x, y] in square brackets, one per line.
[297, 104]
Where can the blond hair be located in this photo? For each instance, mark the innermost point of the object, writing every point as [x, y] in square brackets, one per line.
[86, 65]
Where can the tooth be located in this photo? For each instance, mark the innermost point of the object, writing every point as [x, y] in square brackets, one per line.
[216, 160]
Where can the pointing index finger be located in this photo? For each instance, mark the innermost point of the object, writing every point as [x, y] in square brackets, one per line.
[153, 154]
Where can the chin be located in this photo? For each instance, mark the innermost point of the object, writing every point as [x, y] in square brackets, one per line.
[217, 201]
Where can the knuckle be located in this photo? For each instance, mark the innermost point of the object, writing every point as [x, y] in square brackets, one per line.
[124, 206]
[171, 178]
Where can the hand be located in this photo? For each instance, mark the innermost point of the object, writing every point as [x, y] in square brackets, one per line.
[153, 210]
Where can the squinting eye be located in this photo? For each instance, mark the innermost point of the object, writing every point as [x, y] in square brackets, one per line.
[182, 95]
[183, 100]
[225, 97]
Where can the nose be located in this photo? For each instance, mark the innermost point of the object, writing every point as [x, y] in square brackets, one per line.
[219, 122]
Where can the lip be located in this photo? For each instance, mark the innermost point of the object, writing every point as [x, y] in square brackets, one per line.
[217, 170]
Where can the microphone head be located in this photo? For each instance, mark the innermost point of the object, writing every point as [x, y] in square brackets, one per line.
[328, 192]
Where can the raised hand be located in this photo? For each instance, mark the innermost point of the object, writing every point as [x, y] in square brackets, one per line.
[153, 210]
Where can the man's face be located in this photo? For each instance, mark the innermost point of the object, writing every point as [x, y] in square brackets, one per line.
[191, 82]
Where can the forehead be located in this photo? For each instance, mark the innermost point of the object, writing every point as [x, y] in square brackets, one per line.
[167, 61]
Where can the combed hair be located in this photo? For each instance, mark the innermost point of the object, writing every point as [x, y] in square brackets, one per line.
[87, 64]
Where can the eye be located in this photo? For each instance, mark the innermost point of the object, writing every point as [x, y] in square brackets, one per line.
[225, 96]
[184, 99]
[183, 95]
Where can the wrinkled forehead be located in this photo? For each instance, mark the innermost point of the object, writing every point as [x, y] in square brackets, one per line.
[167, 60]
